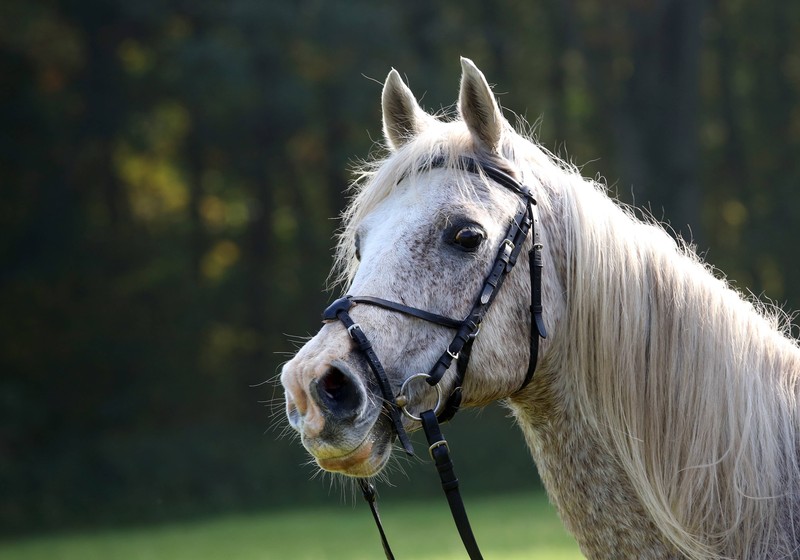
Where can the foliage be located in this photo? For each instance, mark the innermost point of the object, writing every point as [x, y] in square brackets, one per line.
[168, 171]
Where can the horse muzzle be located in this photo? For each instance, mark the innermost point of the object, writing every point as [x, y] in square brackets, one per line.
[329, 406]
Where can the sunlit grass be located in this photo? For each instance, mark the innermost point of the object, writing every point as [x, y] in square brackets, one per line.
[507, 528]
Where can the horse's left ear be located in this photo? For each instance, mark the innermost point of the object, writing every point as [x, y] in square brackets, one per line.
[478, 107]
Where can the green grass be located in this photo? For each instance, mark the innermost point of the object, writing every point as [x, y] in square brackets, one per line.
[508, 528]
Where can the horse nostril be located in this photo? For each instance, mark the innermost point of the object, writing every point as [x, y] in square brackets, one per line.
[333, 383]
[338, 392]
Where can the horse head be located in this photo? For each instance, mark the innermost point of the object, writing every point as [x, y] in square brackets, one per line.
[424, 232]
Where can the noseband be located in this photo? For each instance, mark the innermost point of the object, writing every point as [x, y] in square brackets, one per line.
[459, 350]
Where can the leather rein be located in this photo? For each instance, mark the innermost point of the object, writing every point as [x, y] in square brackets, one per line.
[526, 220]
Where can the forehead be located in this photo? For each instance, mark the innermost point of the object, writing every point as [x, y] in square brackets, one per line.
[438, 195]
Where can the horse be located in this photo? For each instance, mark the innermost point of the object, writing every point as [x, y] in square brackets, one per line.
[663, 414]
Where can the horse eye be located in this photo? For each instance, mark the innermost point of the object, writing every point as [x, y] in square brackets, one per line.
[468, 238]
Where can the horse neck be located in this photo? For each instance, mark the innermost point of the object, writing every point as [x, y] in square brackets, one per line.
[659, 379]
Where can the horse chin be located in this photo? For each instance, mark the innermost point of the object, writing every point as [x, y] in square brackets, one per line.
[367, 459]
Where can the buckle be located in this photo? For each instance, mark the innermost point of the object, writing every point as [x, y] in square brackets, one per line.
[507, 249]
[436, 445]
[351, 327]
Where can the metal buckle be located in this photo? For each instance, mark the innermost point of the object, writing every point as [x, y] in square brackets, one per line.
[436, 444]
[351, 327]
[402, 399]
[454, 356]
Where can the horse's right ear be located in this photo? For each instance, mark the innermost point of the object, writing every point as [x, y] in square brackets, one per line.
[402, 116]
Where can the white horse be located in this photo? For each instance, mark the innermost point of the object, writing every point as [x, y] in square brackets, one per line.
[663, 415]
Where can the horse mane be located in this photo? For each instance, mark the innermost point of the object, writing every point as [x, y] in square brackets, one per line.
[690, 385]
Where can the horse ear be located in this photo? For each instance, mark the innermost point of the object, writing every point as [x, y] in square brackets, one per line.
[478, 107]
[402, 116]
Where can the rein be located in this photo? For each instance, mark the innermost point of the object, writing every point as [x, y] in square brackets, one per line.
[459, 350]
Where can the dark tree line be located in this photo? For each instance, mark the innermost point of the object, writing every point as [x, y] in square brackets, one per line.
[168, 171]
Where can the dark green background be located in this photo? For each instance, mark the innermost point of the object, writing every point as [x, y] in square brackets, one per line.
[168, 175]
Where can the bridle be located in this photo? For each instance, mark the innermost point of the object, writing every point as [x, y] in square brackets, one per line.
[459, 350]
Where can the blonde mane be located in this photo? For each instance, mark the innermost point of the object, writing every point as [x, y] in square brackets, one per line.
[693, 386]
[690, 386]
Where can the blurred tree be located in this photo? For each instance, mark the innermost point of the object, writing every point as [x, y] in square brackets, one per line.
[168, 171]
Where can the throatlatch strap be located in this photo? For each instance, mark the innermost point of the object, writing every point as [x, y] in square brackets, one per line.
[440, 453]
[535, 268]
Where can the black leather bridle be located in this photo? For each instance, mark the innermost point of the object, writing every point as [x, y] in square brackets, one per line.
[525, 220]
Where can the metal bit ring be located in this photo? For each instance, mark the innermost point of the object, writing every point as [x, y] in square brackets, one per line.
[402, 399]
